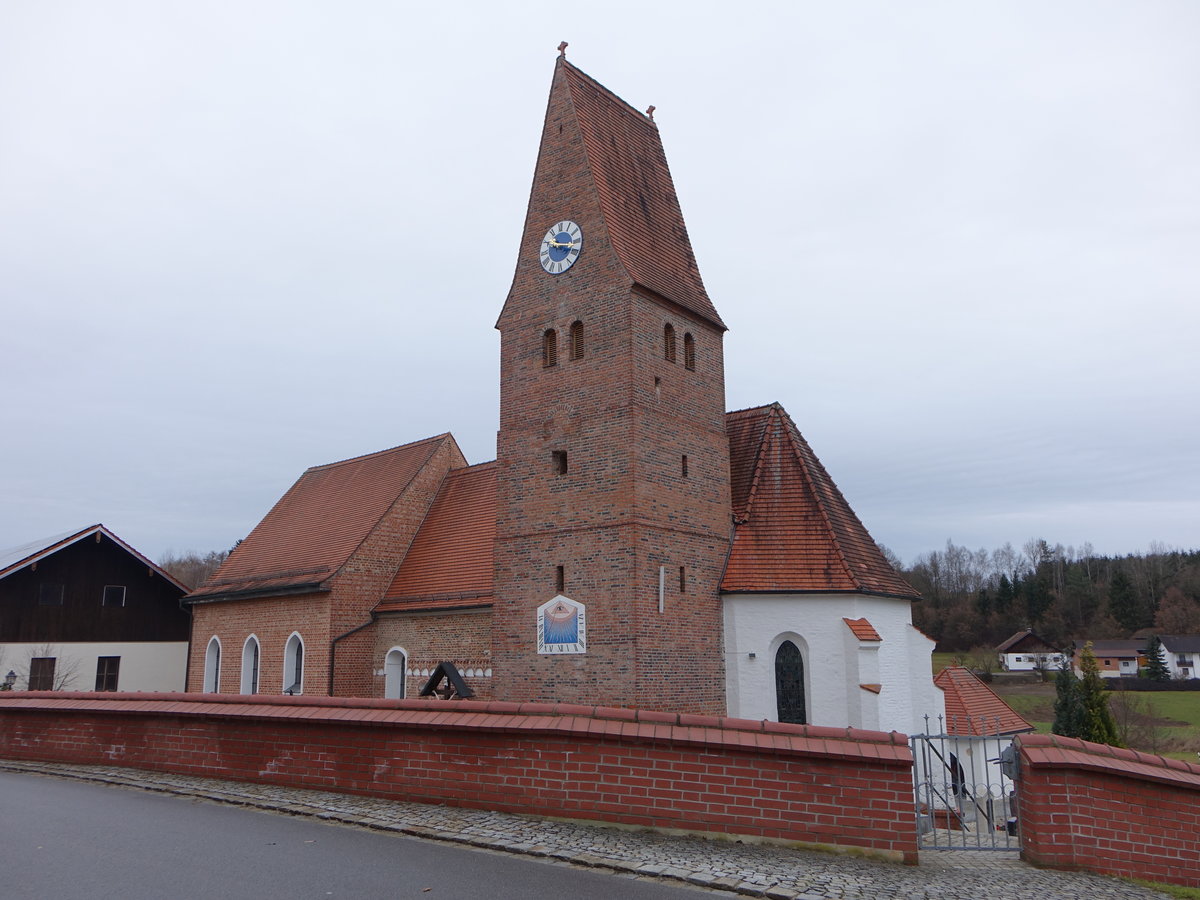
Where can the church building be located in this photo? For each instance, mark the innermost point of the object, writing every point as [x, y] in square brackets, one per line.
[633, 544]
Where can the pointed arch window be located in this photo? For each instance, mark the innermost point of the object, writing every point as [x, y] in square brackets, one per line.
[576, 340]
[250, 654]
[212, 666]
[669, 342]
[293, 665]
[789, 684]
[550, 348]
[689, 352]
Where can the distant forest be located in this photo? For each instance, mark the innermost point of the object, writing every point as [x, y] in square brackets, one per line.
[976, 598]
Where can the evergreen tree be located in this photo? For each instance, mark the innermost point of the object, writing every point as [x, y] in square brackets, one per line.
[1067, 719]
[1123, 603]
[1004, 594]
[1156, 666]
[1099, 726]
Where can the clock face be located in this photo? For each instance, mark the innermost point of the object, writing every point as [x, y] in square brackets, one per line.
[561, 246]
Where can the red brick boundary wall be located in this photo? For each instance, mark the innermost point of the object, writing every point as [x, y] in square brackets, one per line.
[1119, 812]
[833, 788]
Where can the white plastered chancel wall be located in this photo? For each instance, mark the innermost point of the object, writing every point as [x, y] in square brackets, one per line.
[836, 662]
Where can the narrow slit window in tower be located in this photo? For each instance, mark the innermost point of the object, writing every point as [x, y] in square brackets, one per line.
[550, 348]
[577, 340]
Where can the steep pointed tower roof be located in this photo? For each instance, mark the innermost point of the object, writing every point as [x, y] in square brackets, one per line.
[794, 530]
[640, 209]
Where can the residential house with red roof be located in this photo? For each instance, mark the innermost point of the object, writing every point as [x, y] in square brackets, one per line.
[633, 544]
[85, 611]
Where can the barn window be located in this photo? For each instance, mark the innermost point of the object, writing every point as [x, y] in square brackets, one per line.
[293, 665]
[212, 666]
[250, 656]
[107, 669]
[41, 673]
[689, 353]
[669, 342]
[50, 594]
[577, 340]
[114, 595]
[550, 348]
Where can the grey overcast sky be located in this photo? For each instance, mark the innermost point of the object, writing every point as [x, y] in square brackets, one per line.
[960, 242]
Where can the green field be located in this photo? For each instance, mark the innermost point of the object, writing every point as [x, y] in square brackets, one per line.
[941, 660]
[1165, 722]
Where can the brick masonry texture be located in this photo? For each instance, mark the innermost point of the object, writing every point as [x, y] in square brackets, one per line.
[463, 637]
[793, 783]
[322, 617]
[626, 416]
[1104, 809]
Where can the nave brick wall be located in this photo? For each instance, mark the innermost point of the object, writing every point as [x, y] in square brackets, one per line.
[1104, 809]
[800, 784]
[463, 637]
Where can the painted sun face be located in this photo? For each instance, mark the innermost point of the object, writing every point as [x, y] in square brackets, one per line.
[561, 247]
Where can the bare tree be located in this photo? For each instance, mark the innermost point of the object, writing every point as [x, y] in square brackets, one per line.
[192, 568]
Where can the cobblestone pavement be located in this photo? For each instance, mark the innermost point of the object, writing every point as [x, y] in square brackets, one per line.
[748, 869]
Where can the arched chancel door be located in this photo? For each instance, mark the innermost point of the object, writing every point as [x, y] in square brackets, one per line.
[789, 683]
[394, 665]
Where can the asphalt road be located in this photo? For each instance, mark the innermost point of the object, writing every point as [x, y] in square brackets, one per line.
[66, 839]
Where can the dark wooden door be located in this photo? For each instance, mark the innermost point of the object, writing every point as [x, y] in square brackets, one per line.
[789, 683]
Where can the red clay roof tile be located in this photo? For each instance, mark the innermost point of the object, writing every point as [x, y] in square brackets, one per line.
[315, 527]
[637, 196]
[863, 630]
[449, 564]
[972, 708]
[795, 531]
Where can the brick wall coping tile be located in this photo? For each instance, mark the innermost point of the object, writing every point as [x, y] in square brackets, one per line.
[1056, 751]
[599, 721]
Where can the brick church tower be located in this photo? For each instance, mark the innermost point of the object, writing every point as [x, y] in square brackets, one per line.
[613, 501]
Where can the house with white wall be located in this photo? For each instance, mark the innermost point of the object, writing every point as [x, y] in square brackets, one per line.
[1182, 654]
[85, 611]
[1026, 652]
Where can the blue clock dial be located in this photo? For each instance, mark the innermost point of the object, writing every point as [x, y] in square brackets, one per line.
[561, 247]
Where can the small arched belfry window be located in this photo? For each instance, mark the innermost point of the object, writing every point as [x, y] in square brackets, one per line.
[669, 342]
[689, 353]
[550, 348]
[576, 340]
